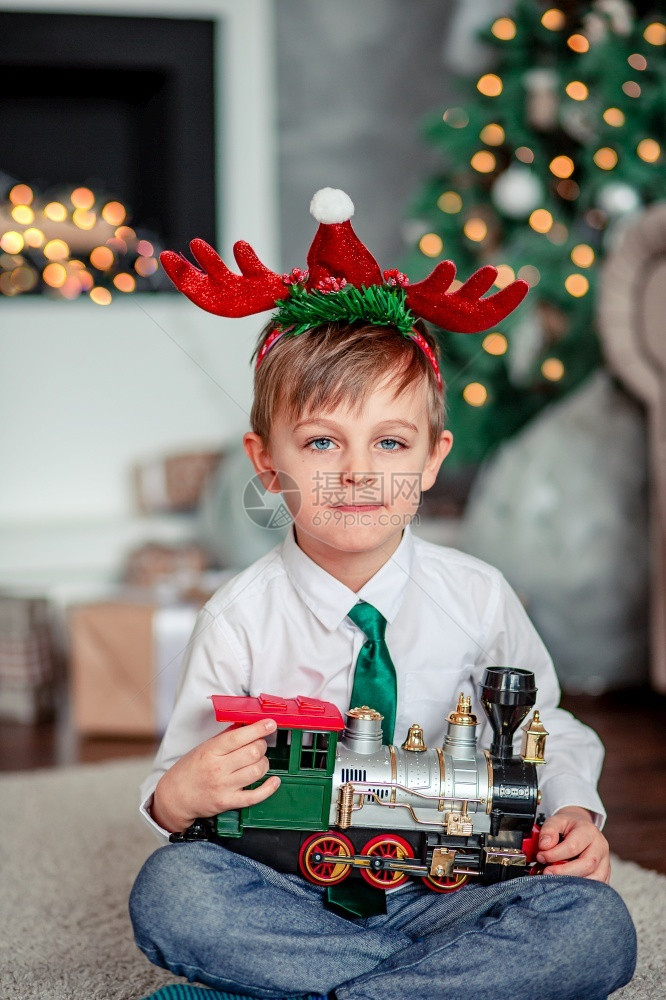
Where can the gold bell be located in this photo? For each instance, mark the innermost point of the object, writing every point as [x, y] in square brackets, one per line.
[415, 741]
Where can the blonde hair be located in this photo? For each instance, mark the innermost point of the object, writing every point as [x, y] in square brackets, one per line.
[337, 364]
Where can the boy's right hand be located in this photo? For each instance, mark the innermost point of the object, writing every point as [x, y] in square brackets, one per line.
[212, 777]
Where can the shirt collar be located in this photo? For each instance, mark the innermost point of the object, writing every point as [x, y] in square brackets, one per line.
[330, 600]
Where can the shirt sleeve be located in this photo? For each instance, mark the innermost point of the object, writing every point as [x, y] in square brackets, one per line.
[574, 752]
[211, 665]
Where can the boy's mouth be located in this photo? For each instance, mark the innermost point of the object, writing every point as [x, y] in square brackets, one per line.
[353, 507]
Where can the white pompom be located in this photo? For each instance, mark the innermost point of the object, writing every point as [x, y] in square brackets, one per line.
[330, 205]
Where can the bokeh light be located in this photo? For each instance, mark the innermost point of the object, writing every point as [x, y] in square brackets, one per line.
[450, 202]
[475, 229]
[552, 369]
[582, 255]
[475, 394]
[553, 19]
[562, 166]
[490, 85]
[577, 285]
[495, 344]
[430, 245]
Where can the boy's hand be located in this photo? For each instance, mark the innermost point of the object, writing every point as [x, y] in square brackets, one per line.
[583, 849]
[213, 776]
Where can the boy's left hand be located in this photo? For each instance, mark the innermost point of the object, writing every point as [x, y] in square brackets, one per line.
[583, 849]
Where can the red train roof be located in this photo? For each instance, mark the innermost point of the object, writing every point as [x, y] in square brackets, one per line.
[289, 713]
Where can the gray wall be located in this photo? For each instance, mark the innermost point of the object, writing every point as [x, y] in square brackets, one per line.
[354, 78]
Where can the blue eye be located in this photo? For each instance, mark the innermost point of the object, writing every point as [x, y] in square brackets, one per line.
[390, 444]
[320, 444]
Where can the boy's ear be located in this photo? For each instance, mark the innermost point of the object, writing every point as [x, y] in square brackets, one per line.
[257, 451]
[435, 459]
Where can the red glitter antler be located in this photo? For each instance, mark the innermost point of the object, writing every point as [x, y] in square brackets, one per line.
[217, 289]
[463, 311]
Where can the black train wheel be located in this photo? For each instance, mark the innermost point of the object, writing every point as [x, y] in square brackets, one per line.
[445, 883]
[315, 848]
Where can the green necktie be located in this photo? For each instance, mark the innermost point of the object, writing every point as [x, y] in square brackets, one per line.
[374, 678]
[374, 686]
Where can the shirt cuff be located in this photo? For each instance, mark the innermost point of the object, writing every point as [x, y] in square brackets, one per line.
[145, 810]
[569, 790]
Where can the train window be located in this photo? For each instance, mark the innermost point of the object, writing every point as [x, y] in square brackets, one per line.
[278, 753]
[314, 751]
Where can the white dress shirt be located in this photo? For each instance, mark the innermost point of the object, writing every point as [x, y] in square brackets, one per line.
[281, 627]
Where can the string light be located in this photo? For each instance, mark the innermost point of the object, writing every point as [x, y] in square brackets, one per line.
[504, 29]
[637, 61]
[114, 213]
[582, 255]
[101, 258]
[614, 117]
[34, 238]
[541, 220]
[450, 202]
[56, 250]
[82, 197]
[54, 275]
[649, 150]
[567, 189]
[558, 234]
[475, 394]
[578, 43]
[23, 214]
[431, 245]
[561, 166]
[495, 344]
[490, 85]
[476, 230]
[84, 218]
[552, 369]
[492, 134]
[524, 154]
[605, 158]
[577, 285]
[456, 117]
[530, 274]
[59, 272]
[100, 296]
[12, 242]
[145, 266]
[484, 161]
[21, 194]
[577, 90]
[505, 275]
[55, 211]
[655, 33]
[124, 282]
[553, 19]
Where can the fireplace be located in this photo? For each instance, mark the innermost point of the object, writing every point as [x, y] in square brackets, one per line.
[122, 108]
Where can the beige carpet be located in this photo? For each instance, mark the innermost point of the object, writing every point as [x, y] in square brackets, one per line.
[71, 843]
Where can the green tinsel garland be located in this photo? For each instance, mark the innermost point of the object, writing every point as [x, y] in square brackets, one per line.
[380, 304]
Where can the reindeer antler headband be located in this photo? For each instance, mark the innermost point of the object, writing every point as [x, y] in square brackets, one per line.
[343, 282]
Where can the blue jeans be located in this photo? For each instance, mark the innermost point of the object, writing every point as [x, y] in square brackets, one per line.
[232, 923]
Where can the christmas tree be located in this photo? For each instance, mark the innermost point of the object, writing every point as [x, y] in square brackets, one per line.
[544, 156]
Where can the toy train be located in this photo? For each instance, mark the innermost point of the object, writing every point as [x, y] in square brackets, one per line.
[350, 805]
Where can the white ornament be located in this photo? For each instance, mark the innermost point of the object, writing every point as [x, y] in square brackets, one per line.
[620, 14]
[617, 198]
[330, 205]
[517, 192]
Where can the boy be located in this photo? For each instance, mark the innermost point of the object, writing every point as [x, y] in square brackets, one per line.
[348, 420]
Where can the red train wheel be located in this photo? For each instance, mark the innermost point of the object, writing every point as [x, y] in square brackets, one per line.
[325, 872]
[445, 883]
[386, 845]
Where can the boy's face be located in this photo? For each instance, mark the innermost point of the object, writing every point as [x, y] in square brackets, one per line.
[360, 473]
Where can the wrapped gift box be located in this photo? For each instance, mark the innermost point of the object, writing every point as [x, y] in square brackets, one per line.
[30, 666]
[174, 482]
[125, 659]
